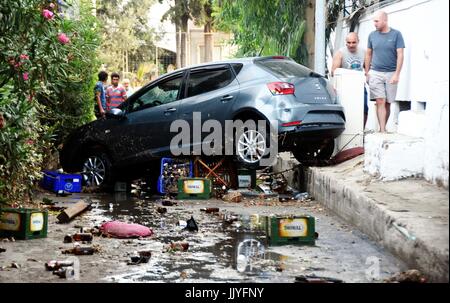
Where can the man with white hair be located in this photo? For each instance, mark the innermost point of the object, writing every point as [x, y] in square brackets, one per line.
[128, 88]
[383, 63]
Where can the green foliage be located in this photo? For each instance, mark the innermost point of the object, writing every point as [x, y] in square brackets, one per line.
[126, 34]
[21, 145]
[46, 85]
[264, 27]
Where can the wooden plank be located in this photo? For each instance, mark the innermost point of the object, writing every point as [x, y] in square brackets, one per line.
[73, 211]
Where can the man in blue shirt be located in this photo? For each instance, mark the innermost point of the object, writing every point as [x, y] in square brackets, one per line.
[383, 63]
[100, 95]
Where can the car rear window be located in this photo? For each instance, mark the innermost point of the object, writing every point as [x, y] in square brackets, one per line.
[285, 68]
[204, 81]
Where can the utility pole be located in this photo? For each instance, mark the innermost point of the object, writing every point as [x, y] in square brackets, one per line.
[319, 49]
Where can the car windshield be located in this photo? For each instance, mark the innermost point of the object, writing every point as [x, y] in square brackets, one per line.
[285, 68]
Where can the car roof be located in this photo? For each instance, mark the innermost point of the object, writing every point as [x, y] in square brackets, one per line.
[247, 60]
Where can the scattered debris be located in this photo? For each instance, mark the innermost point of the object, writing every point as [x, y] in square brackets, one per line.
[78, 237]
[73, 211]
[15, 265]
[47, 201]
[279, 184]
[140, 257]
[210, 210]
[229, 217]
[182, 224]
[55, 265]
[171, 171]
[177, 246]
[285, 197]
[191, 224]
[65, 272]
[233, 196]
[301, 196]
[63, 193]
[81, 250]
[280, 267]
[168, 203]
[125, 230]
[409, 276]
[219, 191]
[316, 279]
[404, 231]
[183, 275]
[161, 210]
[265, 189]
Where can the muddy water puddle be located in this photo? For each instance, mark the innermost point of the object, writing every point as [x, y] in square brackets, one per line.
[223, 250]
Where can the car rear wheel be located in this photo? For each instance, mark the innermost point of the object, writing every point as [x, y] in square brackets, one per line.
[96, 170]
[308, 152]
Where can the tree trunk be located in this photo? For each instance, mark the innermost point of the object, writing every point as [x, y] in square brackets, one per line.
[178, 42]
[208, 37]
[183, 50]
[310, 31]
[208, 42]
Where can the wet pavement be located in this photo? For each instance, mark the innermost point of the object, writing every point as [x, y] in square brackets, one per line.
[218, 252]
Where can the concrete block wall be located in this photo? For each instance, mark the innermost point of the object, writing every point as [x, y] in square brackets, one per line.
[393, 156]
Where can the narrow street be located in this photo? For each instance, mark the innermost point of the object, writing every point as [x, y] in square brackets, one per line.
[340, 251]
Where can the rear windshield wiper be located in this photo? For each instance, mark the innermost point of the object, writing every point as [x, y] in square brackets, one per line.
[315, 75]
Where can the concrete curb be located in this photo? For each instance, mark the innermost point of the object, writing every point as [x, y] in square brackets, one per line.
[419, 241]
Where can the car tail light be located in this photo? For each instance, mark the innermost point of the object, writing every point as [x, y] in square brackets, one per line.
[293, 123]
[281, 88]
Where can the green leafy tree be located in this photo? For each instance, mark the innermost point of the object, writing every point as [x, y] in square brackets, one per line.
[180, 14]
[47, 62]
[127, 36]
[264, 27]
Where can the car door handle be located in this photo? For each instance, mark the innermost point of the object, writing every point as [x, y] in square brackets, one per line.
[170, 110]
[226, 98]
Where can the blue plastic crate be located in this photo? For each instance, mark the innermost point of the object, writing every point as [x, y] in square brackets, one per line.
[160, 185]
[55, 181]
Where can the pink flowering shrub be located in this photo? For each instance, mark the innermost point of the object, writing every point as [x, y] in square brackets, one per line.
[47, 14]
[63, 38]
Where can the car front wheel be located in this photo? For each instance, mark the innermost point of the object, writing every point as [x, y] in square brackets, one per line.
[251, 147]
[96, 170]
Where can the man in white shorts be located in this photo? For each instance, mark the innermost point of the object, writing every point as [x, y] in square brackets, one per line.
[383, 63]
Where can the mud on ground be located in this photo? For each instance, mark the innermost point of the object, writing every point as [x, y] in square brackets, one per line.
[340, 251]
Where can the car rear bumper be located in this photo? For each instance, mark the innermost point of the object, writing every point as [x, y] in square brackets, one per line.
[308, 133]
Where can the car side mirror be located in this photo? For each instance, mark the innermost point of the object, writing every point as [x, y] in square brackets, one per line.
[115, 113]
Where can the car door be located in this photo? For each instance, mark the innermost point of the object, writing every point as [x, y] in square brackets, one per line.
[210, 91]
[149, 116]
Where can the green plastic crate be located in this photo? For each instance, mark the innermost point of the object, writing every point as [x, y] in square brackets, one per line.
[23, 223]
[194, 188]
[293, 230]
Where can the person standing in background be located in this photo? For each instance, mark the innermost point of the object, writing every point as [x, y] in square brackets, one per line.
[115, 94]
[351, 57]
[128, 88]
[100, 94]
[383, 63]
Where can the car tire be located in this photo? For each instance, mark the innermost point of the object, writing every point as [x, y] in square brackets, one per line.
[250, 146]
[310, 152]
[97, 170]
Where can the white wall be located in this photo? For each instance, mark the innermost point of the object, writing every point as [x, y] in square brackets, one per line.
[424, 78]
